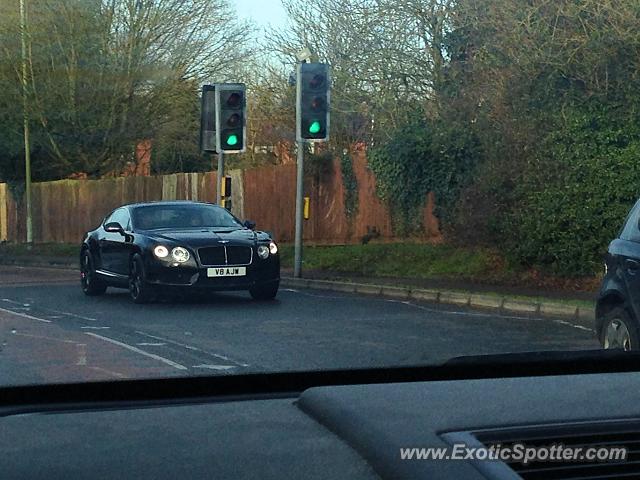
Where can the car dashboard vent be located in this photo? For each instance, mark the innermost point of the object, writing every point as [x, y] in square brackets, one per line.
[580, 438]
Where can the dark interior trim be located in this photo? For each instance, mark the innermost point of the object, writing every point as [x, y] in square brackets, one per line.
[291, 384]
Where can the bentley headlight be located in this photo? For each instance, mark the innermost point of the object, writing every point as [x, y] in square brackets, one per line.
[161, 251]
[180, 254]
[263, 251]
[273, 248]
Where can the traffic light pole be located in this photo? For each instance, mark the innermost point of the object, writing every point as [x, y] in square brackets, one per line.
[312, 124]
[220, 176]
[297, 265]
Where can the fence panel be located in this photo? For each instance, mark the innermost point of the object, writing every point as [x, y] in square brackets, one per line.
[64, 210]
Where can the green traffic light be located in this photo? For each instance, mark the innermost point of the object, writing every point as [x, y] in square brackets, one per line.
[232, 140]
[314, 127]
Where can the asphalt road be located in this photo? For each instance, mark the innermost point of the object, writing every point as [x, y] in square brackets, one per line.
[50, 332]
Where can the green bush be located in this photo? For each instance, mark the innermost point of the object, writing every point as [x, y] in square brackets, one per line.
[577, 193]
[423, 156]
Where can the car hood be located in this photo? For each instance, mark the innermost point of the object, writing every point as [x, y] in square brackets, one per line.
[207, 237]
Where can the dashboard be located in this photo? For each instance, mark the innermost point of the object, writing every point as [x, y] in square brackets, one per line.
[350, 431]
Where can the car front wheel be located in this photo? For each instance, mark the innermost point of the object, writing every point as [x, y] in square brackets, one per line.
[619, 331]
[264, 292]
[92, 284]
[139, 290]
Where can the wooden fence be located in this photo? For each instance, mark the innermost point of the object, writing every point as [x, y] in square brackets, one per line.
[64, 210]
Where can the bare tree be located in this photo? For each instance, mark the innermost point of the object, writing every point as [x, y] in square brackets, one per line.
[104, 72]
[387, 57]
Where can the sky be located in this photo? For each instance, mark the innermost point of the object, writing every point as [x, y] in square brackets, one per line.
[262, 12]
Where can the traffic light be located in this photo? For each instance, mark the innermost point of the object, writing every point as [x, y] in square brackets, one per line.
[230, 117]
[208, 119]
[313, 94]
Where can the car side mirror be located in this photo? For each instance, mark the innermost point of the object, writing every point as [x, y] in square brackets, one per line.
[114, 227]
[250, 224]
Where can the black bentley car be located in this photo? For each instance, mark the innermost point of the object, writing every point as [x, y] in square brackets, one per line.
[147, 247]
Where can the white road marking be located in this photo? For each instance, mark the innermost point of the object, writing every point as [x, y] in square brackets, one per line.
[167, 340]
[215, 367]
[69, 314]
[94, 328]
[43, 337]
[150, 344]
[104, 370]
[24, 315]
[189, 347]
[317, 295]
[569, 324]
[139, 351]
[82, 353]
[488, 315]
[454, 312]
[14, 302]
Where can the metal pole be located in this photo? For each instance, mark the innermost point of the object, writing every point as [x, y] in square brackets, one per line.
[219, 178]
[297, 265]
[25, 111]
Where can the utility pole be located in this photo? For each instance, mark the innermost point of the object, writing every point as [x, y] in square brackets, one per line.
[25, 110]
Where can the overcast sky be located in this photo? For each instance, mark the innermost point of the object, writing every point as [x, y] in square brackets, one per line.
[262, 12]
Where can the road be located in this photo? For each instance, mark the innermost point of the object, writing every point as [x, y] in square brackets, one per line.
[51, 332]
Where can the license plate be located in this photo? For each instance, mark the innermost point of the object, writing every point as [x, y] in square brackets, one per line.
[227, 272]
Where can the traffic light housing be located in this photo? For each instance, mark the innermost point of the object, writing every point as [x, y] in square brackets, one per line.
[208, 119]
[313, 95]
[230, 117]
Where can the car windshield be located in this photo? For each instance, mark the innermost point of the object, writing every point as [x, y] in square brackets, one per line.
[294, 185]
[182, 216]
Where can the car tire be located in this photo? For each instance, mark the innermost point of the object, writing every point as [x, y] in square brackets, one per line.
[92, 284]
[619, 330]
[266, 291]
[139, 290]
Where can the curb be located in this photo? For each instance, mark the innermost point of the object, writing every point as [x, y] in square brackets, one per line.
[580, 315]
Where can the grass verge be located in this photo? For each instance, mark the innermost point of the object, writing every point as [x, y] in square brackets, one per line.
[397, 260]
[430, 262]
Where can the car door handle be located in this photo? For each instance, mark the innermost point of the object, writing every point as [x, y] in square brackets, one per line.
[632, 266]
